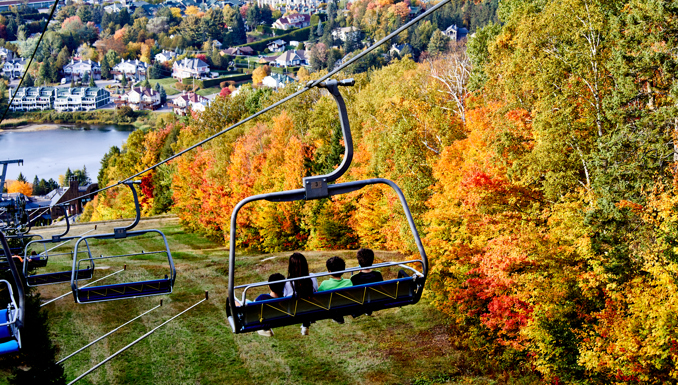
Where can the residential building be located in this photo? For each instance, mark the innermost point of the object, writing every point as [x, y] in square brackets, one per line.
[216, 44]
[74, 194]
[238, 51]
[343, 33]
[140, 98]
[133, 69]
[296, 20]
[6, 54]
[60, 99]
[190, 68]
[78, 68]
[196, 102]
[289, 59]
[33, 4]
[455, 33]
[277, 45]
[165, 56]
[14, 68]
[277, 80]
[81, 98]
[33, 98]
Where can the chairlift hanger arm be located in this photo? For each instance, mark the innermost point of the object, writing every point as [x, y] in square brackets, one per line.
[316, 186]
[68, 225]
[121, 232]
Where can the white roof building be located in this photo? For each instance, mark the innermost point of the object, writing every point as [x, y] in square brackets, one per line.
[190, 68]
[81, 67]
[165, 56]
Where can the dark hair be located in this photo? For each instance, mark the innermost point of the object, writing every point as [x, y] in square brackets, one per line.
[298, 267]
[277, 288]
[335, 264]
[365, 257]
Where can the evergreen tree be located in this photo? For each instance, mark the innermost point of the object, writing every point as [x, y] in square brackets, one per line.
[28, 81]
[36, 186]
[146, 84]
[319, 30]
[21, 178]
[163, 94]
[85, 77]
[105, 68]
[438, 43]
[72, 81]
[91, 81]
[53, 71]
[42, 72]
[123, 81]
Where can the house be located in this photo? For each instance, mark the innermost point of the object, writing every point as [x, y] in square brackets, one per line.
[61, 99]
[238, 51]
[113, 8]
[303, 56]
[78, 68]
[81, 99]
[398, 49]
[288, 59]
[33, 98]
[14, 68]
[196, 102]
[71, 194]
[296, 20]
[132, 69]
[140, 98]
[276, 80]
[216, 44]
[165, 56]
[276, 45]
[32, 4]
[190, 68]
[343, 33]
[455, 33]
[5, 53]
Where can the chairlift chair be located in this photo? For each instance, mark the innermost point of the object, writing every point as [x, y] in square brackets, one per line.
[126, 290]
[12, 318]
[41, 259]
[359, 299]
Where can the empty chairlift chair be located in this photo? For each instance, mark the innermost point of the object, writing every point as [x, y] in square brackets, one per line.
[61, 253]
[11, 318]
[125, 290]
[360, 299]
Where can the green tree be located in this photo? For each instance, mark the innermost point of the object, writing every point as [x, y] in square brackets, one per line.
[438, 43]
[28, 81]
[21, 178]
[105, 69]
[91, 81]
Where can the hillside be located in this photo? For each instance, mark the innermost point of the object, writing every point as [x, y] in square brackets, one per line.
[407, 345]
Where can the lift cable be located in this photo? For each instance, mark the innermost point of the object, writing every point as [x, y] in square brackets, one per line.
[309, 85]
[136, 341]
[108, 334]
[44, 30]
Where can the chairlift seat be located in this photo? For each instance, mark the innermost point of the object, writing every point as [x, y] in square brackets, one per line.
[57, 277]
[9, 347]
[359, 299]
[124, 290]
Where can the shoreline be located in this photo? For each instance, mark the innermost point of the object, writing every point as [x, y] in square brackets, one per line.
[33, 127]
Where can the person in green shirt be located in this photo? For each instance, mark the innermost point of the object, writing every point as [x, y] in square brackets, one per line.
[336, 281]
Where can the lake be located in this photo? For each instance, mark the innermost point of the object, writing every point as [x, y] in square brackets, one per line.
[49, 153]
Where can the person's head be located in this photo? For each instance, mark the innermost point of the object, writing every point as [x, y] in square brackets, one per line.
[33, 252]
[298, 266]
[365, 257]
[277, 288]
[335, 264]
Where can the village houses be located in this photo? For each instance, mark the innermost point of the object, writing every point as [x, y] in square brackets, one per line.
[190, 68]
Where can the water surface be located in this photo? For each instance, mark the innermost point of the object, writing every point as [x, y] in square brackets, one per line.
[49, 153]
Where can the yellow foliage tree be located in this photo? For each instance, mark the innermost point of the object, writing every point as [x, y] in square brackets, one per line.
[176, 12]
[302, 74]
[146, 53]
[192, 10]
[260, 73]
[20, 187]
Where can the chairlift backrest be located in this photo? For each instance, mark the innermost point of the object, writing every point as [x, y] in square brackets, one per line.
[125, 290]
[317, 187]
[33, 262]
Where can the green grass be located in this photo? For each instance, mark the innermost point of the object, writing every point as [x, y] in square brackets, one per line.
[413, 344]
[208, 91]
[167, 83]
